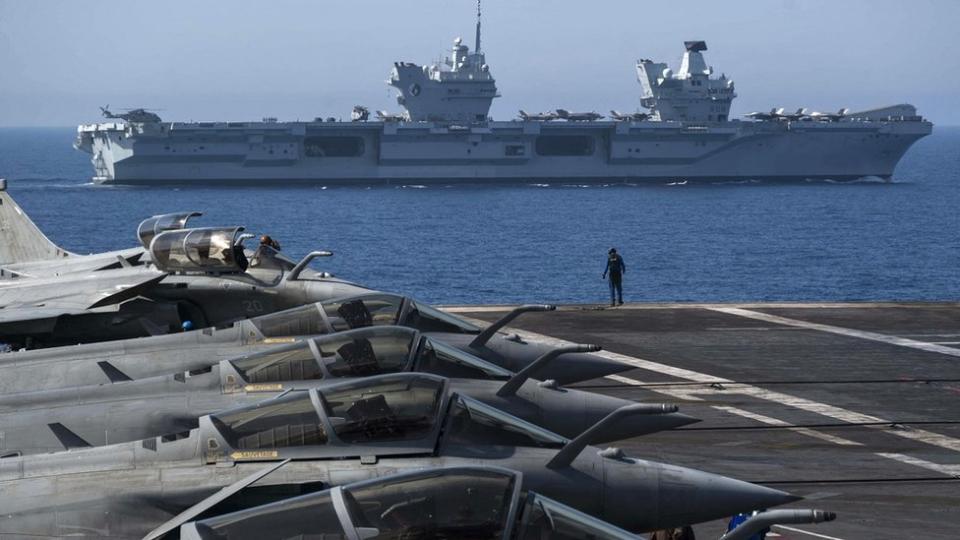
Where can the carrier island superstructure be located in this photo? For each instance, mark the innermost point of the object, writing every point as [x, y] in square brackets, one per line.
[445, 135]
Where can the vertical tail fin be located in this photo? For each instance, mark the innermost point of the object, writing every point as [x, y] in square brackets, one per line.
[20, 239]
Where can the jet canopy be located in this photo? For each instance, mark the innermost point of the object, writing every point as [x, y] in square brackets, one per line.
[373, 309]
[210, 249]
[455, 502]
[155, 225]
[363, 352]
[397, 414]
[386, 415]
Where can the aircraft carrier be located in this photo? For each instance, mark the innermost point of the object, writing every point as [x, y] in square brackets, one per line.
[445, 135]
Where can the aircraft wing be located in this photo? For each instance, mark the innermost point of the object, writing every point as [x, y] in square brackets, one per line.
[72, 265]
[37, 299]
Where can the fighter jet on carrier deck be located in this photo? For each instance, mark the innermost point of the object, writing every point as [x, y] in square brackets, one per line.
[537, 117]
[203, 276]
[443, 502]
[446, 502]
[51, 420]
[629, 117]
[112, 361]
[578, 116]
[341, 434]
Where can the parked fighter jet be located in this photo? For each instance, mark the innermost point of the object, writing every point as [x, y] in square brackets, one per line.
[450, 502]
[103, 363]
[774, 114]
[629, 117]
[51, 420]
[830, 117]
[537, 117]
[385, 116]
[198, 275]
[578, 116]
[341, 434]
[142, 116]
[793, 117]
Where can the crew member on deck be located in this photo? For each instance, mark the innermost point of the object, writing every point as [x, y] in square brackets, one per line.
[265, 240]
[616, 268]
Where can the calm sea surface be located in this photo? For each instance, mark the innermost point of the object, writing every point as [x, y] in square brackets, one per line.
[747, 242]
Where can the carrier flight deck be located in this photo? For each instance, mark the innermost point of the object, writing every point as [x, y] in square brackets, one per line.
[856, 407]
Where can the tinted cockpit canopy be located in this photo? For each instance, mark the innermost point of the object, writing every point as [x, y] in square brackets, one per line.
[470, 503]
[155, 225]
[457, 502]
[364, 310]
[356, 353]
[396, 407]
[397, 413]
[427, 318]
[208, 249]
[361, 311]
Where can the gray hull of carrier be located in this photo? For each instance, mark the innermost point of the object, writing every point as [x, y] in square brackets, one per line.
[445, 135]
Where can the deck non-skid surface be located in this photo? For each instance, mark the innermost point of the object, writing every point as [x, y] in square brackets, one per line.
[855, 406]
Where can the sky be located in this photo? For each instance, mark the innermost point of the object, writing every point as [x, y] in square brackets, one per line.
[233, 60]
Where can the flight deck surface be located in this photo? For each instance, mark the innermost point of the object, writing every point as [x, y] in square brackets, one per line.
[856, 407]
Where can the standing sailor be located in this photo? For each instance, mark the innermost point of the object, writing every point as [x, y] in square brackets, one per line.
[616, 268]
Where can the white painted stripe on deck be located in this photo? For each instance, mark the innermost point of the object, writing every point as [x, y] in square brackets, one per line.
[839, 330]
[763, 419]
[949, 470]
[816, 535]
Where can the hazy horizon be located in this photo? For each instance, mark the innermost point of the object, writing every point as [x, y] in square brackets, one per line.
[243, 60]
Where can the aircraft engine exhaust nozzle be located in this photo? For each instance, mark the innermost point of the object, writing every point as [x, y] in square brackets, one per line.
[762, 520]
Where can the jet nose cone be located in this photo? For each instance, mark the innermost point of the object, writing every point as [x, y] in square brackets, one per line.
[673, 496]
[691, 496]
[578, 367]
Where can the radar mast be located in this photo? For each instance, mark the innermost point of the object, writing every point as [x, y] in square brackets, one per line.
[476, 47]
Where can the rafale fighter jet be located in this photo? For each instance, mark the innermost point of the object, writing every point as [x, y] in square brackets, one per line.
[450, 502]
[339, 434]
[52, 420]
[629, 117]
[445, 502]
[203, 276]
[578, 116]
[200, 275]
[115, 361]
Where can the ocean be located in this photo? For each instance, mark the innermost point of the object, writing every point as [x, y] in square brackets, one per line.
[816, 241]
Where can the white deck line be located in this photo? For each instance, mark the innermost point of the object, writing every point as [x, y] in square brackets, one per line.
[763, 419]
[950, 470]
[801, 531]
[839, 330]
